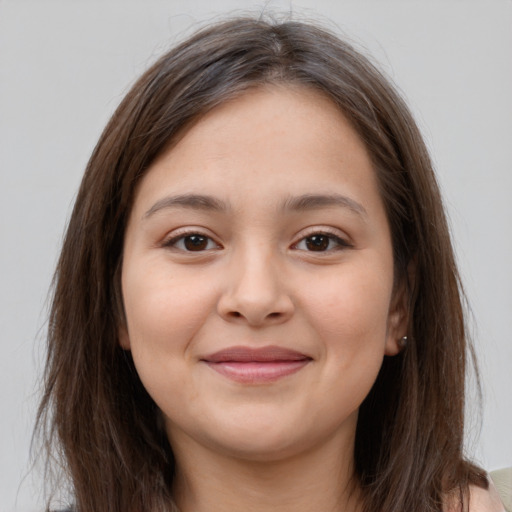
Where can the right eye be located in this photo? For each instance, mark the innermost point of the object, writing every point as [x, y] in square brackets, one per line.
[192, 242]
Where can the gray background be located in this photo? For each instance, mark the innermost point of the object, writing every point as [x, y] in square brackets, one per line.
[65, 65]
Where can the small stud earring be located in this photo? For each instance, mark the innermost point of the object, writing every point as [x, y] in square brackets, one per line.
[402, 342]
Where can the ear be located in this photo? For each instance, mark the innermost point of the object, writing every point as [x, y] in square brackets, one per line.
[123, 338]
[397, 329]
[398, 317]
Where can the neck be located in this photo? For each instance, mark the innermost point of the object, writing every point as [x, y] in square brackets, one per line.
[320, 480]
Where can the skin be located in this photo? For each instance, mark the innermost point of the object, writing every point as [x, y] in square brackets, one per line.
[285, 444]
[480, 500]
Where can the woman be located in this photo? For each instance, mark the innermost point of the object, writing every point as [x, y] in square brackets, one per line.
[257, 305]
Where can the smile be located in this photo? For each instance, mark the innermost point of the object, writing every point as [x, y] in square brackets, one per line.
[254, 366]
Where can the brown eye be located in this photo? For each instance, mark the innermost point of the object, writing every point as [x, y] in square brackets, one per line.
[195, 242]
[322, 243]
[317, 242]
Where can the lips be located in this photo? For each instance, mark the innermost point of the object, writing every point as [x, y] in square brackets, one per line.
[256, 365]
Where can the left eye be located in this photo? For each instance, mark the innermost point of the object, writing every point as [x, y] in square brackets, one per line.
[194, 242]
[321, 242]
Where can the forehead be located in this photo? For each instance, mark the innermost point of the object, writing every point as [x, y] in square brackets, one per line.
[277, 139]
[275, 114]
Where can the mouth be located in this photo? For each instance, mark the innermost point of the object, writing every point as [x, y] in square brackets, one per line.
[256, 365]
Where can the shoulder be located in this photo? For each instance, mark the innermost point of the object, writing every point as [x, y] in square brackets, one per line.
[485, 500]
[480, 500]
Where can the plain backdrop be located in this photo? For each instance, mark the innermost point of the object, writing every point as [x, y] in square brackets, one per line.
[65, 65]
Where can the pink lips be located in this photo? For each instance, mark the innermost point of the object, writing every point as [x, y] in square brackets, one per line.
[256, 365]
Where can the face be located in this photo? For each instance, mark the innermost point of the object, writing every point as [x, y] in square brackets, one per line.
[258, 280]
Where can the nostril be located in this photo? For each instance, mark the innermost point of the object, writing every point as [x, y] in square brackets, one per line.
[237, 314]
[255, 310]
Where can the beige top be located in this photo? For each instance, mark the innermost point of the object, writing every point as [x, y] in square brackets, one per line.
[502, 479]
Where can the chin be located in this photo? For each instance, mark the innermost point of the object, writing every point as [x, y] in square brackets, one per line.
[251, 435]
[262, 446]
[262, 436]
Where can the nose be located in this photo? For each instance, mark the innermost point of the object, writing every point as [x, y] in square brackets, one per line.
[254, 292]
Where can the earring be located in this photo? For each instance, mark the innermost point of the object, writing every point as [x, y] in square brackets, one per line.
[402, 342]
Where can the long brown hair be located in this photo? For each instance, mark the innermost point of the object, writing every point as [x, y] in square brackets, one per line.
[95, 412]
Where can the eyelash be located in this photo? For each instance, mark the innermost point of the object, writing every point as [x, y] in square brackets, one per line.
[173, 242]
[341, 243]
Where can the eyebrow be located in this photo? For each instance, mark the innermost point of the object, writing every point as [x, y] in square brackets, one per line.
[293, 203]
[192, 201]
[316, 201]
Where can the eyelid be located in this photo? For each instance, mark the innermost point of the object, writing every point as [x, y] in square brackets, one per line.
[341, 238]
[172, 238]
[337, 235]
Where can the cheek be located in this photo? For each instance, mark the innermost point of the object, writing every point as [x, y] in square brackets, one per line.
[159, 302]
[349, 313]
[163, 315]
[353, 306]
